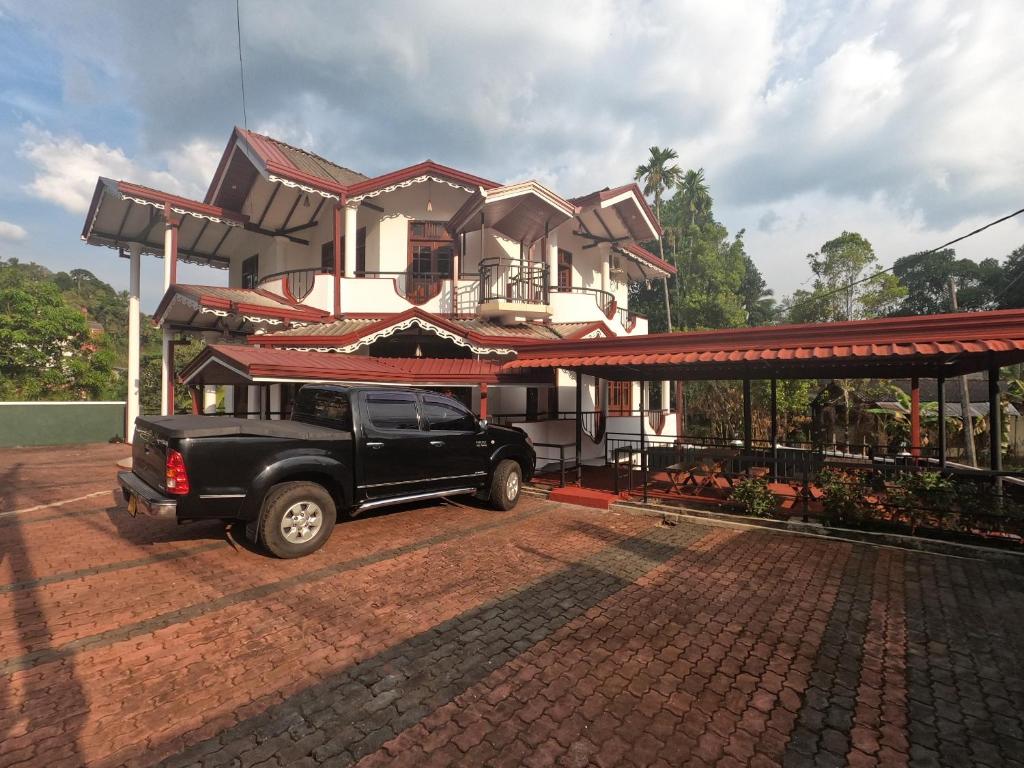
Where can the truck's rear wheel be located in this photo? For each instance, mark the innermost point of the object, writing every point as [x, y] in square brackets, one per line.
[506, 485]
[297, 519]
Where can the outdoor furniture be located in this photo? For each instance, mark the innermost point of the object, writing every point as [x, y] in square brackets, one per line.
[711, 467]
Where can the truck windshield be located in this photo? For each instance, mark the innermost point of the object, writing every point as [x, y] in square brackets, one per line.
[328, 408]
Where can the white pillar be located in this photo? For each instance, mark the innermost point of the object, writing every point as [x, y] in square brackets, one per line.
[253, 403]
[229, 400]
[134, 339]
[275, 401]
[553, 260]
[606, 258]
[209, 399]
[665, 397]
[170, 248]
[166, 358]
[350, 240]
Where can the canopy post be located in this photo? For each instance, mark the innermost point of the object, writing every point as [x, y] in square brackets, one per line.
[940, 384]
[483, 399]
[747, 431]
[643, 437]
[774, 435]
[915, 416]
[995, 427]
[579, 428]
[134, 340]
[337, 258]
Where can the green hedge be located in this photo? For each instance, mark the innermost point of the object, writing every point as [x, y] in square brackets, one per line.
[60, 423]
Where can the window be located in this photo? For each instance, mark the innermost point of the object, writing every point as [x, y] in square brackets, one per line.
[620, 398]
[431, 258]
[327, 254]
[564, 270]
[392, 411]
[331, 408]
[251, 271]
[444, 414]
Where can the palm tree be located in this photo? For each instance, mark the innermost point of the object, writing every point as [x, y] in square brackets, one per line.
[659, 174]
[695, 194]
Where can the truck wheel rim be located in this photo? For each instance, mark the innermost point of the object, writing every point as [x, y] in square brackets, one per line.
[512, 485]
[301, 522]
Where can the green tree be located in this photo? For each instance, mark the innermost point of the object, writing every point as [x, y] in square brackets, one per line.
[926, 277]
[1011, 293]
[658, 175]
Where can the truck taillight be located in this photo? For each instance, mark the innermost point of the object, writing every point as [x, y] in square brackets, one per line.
[177, 477]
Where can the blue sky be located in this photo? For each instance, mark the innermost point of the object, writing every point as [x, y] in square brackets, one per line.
[899, 120]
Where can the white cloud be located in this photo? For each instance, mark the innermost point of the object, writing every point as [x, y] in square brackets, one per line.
[65, 168]
[11, 231]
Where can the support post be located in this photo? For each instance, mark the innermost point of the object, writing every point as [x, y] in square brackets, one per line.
[915, 416]
[643, 437]
[553, 260]
[747, 420]
[579, 428]
[209, 399]
[275, 401]
[774, 433]
[229, 400]
[483, 400]
[995, 422]
[134, 340]
[193, 393]
[252, 402]
[337, 258]
[170, 277]
[680, 409]
[940, 384]
[167, 373]
[171, 223]
[351, 226]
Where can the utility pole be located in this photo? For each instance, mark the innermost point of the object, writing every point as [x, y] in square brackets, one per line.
[965, 396]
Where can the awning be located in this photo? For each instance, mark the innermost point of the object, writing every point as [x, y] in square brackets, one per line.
[925, 346]
[523, 212]
[236, 364]
[618, 214]
[205, 307]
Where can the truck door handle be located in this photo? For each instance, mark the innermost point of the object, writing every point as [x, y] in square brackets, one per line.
[437, 443]
[374, 445]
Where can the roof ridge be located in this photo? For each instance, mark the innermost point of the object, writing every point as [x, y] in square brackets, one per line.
[309, 153]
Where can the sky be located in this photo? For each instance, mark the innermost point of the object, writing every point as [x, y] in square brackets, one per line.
[898, 120]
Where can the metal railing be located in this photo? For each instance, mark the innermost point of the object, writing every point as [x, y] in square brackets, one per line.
[517, 280]
[561, 457]
[298, 282]
[627, 318]
[591, 420]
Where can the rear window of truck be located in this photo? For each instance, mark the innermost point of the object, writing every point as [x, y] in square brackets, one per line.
[324, 407]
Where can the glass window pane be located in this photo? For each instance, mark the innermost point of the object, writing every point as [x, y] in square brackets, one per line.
[396, 411]
[443, 414]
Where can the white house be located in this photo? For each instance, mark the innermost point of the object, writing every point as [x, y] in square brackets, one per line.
[427, 274]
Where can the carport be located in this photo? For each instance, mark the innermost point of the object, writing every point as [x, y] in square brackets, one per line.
[936, 346]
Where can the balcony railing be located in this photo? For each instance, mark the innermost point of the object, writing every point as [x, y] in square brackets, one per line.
[604, 300]
[297, 282]
[415, 287]
[513, 280]
[627, 318]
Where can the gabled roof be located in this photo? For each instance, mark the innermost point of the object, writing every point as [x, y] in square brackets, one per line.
[650, 259]
[226, 363]
[524, 212]
[243, 303]
[403, 176]
[622, 199]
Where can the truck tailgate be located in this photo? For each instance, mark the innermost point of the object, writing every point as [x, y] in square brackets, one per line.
[149, 456]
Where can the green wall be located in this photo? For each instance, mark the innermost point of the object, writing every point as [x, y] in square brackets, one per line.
[60, 423]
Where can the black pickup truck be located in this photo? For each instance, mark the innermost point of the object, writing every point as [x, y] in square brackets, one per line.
[345, 450]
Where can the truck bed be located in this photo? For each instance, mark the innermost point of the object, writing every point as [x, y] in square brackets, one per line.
[225, 426]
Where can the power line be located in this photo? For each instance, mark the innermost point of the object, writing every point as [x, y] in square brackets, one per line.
[848, 286]
[241, 70]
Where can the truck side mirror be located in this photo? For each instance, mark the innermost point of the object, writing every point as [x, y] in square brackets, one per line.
[482, 423]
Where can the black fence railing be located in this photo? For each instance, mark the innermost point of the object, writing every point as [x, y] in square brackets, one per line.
[627, 318]
[524, 282]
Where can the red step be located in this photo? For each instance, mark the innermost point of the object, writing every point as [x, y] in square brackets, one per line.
[585, 497]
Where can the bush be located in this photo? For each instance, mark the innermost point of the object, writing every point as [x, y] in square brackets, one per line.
[755, 496]
[919, 495]
[844, 499]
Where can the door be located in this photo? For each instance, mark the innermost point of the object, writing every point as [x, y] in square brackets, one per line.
[564, 270]
[620, 398]
[458, 449]
[393, 448]
[431, 258]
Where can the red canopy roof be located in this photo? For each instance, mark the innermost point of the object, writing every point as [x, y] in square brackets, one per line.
[930, 345]
[228, 364]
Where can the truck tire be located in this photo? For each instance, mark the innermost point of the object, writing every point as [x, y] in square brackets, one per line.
[296, 519]
[506, 485]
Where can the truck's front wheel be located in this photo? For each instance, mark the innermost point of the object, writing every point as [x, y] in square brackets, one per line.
[506, 485]
[297, 519]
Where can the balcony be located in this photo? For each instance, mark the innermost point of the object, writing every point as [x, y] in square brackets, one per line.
[513, 288]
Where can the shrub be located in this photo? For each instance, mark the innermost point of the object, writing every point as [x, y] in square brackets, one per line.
[755, 496]
[920, 494]
[844, 499]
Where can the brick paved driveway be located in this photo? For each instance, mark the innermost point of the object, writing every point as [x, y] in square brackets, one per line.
[457, 635]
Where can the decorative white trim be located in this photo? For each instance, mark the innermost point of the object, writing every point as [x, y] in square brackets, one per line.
[148, 249]
[426, 326]
[409, 183]
[303, 187]
[219, 362]
[182, 211]
[597, 333]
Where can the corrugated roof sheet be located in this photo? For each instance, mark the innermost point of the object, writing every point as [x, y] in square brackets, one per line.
[315, 165]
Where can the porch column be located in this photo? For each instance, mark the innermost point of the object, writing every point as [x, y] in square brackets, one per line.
[483, 399]
[337, 259]
[605, 275]
[209, 399]
[193, 393]
[940, 384]
[915, 416]
[134, 340]
[664, 397]
[747, 436]
[579, 428]
[351, 228]
[680, 408]
[171, 223]
[275, 401]
[995, 422]
[252, 402]
[229, 400]
[774, 430]
[643, 437]
[553, 260]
